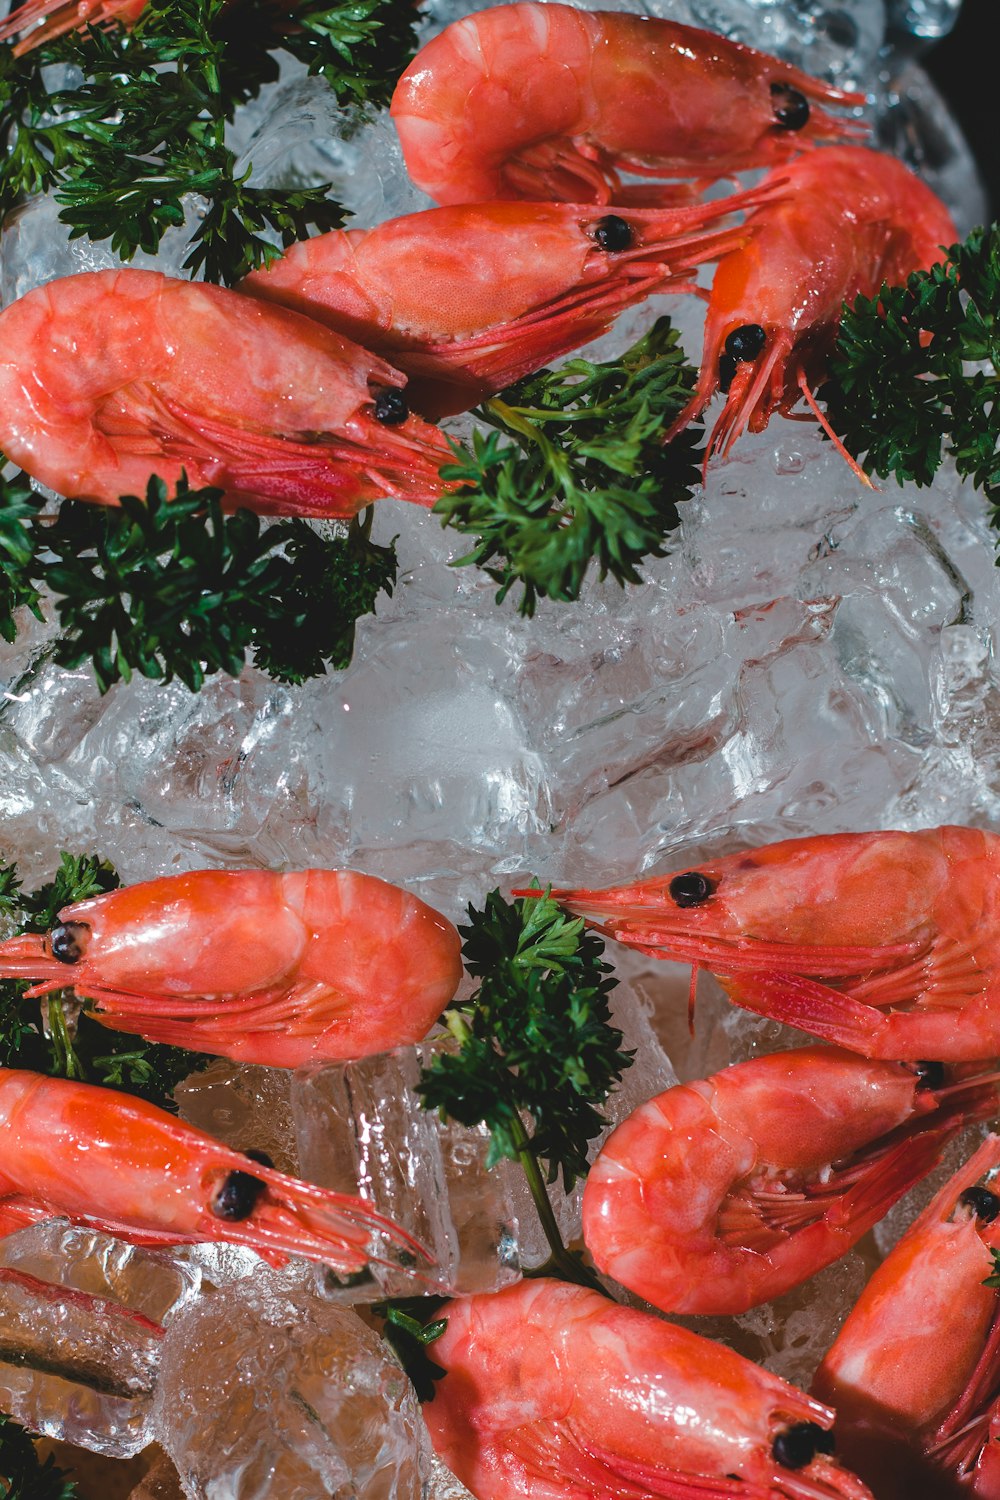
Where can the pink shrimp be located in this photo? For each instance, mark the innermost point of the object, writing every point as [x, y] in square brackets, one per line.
[467, 299]
[848, 220]
[915, 1370]
[550, 102]
[885, 943]
[118, 1164]
[551, 1389]
[110, 376]
[60, 16]
[721, 1194]
[259, 967]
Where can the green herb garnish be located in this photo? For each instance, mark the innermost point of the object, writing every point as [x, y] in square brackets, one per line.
[93, 1054]
[176, 588]
[901, 393]
[535, 1039]
[586, 478]
[410, 1334]
[23, 1476]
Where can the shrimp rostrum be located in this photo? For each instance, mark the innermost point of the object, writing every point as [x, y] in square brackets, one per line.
[252, 965]
[915, 1370]
[720, 1194]
[885, 943]
[467, 299]
[102, 1159]
[108, 377]
[551, 1389]
[553, 103]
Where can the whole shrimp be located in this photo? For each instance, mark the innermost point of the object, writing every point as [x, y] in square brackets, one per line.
[102, 1159]
[108, 377]
[467, 299]
[915, 1370]
[721, 1194]
[549, 102]
[848, 220]
[256, 966]
[885, 943]
[550, 1389]
[60, 16]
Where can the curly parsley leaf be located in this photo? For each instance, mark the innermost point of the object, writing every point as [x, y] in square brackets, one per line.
[23, 1475]
[577, 472]
[89, 1051]
[176, 588]
[410, 1328]
[903, 391]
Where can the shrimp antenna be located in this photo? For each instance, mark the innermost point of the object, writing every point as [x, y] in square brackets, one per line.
[824, 422]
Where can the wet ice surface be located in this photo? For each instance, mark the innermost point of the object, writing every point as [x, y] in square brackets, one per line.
[814, 657]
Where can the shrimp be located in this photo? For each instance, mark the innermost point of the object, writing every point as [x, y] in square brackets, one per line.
[252, 965]
[466, 300]
[552, 1390]
[885, 943]
[721, 1194]
[550, 102]
[848, 220]
[110, 376]
[118, 1164]
[60, 16]
[915, 1370]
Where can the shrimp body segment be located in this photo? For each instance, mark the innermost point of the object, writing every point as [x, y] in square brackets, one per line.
[885, 943]
[721, 1194]
[256, 966]
[915, 1370]
[467, 299]
[118, 1164]
[107, 377]
[552, 103]
[849, 220]
[552, 1390]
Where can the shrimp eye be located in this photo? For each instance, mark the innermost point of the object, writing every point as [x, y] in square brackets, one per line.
[727, 372]
[746, 342]
[237, 1198]
[391, 407]
[798, 1445]
[791, 109]
[68, 941]
[984, 1204]
[930, 1075]
[691, 888]
[613, 233]
[259, 1156]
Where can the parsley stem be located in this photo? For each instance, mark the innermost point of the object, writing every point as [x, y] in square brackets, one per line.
[561, 1262]
[67, 1059]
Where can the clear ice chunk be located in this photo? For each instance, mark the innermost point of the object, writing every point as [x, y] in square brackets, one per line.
[268, 1388]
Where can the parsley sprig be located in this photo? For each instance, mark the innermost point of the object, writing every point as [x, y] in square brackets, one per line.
[145, 127]
[94, 1054]
[577, 471]
[175, 588]
[23, 1476]
[536, 1041]
[903, 392]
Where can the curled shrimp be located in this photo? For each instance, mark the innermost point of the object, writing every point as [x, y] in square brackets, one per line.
[885, 943]
[721, 1194]
[108, 377]
[915, 1370]
[102, 1159]
[59, 16]
[256, 966]
[551, 1389]
[467, 299]
[549, 102]
[848, 220]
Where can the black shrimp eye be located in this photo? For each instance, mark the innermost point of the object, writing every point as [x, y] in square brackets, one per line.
[930, 1075]
[727, 372]
[259, 1156]
[984, 1204]
[691, 888]
[746, 342]
[798, 1445]
[791, 109]
[391, 407]
[237, 1198]
[68, 941]
[613, 233]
